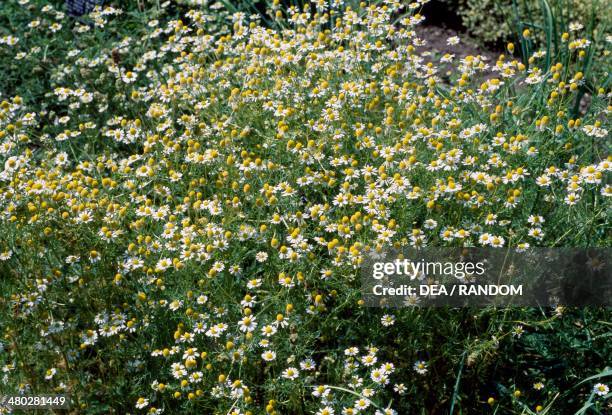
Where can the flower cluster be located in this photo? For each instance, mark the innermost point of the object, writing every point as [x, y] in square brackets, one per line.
[191, 206]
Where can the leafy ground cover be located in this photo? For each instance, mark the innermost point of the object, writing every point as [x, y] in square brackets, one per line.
[188, 191]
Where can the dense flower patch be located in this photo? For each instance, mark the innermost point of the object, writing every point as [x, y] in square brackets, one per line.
[184, 216]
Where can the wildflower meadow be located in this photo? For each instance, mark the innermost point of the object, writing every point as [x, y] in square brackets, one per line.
[188, 190]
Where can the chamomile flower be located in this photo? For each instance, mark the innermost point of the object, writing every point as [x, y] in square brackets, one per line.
[420, 367]
[601, 389]
[268, 355]
[142, 403]
[291, 373]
